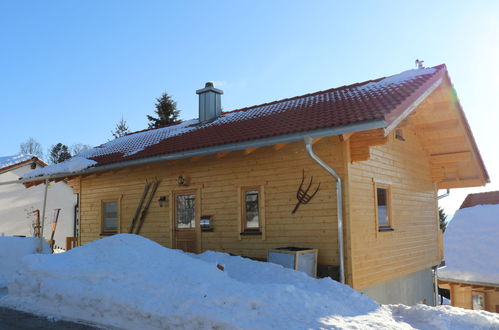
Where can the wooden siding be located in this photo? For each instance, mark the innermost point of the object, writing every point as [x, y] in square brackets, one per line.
[277, 169]
[412, 246]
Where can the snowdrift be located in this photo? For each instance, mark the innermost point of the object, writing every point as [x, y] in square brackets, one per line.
[130, 282]
[12, 249]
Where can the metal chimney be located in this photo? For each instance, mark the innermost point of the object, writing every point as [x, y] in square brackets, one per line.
[210, 104]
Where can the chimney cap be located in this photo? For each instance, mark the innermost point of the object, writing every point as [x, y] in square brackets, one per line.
[209, 87]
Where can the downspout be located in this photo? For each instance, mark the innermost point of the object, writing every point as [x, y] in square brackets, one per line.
[40, 249]
[339, 202]
[435, 268]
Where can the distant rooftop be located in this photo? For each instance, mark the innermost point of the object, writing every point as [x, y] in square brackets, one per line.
[489, 197]
[11, 161]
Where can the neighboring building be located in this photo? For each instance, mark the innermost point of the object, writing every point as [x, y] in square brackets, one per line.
[230, 181]
[17, 203]
[471, 243]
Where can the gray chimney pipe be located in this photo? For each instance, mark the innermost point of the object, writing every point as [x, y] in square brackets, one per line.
[210, 104]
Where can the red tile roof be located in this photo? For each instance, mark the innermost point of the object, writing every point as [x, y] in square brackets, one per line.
[380, 99]
[490, 197]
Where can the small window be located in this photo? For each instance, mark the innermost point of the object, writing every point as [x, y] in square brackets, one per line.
[383, 207]
[478, 301]
[251, 210]
[110, 217]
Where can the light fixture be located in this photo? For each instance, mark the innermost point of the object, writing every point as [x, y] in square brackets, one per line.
[162, 201]
[399, 135]
[181, 181]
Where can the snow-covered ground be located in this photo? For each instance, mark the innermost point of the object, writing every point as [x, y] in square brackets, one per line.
[130, 282]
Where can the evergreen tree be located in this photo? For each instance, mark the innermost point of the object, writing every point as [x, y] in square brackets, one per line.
[121, 129]
[443, 219]
[31, 147]
[59, 153]
[166, 110]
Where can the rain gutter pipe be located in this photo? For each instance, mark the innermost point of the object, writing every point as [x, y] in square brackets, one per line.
[294, 137]
[435, 268]
[339, 202]
[44, 207]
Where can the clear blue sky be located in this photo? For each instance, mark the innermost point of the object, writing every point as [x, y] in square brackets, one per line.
[70, 69]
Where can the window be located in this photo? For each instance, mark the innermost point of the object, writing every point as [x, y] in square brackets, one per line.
[383, 207]
[478, 301]
[109, 217]
[186, 211]
[251, 219]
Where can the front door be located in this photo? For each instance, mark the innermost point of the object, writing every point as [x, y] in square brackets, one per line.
[185, 232]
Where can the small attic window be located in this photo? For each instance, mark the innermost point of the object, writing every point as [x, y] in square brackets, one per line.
[33, 165]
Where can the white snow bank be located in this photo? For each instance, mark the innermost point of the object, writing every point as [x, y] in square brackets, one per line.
[13, 160]
[471, 245]
[71, 165]
[12, 249]
[130, 282]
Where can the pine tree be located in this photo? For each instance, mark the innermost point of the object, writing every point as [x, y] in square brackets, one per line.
[443, 219]
[121, 129]
[59, 153]
[166, 110]
[31, 147]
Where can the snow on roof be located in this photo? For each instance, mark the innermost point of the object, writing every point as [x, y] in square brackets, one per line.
[471, 245]
[367, 101]
[73, 165]
[8, 161]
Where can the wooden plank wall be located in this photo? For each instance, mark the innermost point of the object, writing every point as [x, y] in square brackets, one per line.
[462, 295]
[413, 245]
[278, 169]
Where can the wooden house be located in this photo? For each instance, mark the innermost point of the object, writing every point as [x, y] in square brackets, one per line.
[471, 272]
[230, 181]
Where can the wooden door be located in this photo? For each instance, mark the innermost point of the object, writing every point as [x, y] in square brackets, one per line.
[185, 222]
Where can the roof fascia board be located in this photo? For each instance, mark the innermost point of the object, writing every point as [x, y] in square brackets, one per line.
[294, 137]
[468, 282]
[413, 106]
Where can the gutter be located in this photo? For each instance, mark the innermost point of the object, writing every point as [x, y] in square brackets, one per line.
[444, 195]
[294, 137]
[339, 202]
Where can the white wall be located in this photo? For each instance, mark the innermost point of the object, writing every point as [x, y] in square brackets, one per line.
[17, 202]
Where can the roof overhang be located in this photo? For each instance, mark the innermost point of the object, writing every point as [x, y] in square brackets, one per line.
[269, 141]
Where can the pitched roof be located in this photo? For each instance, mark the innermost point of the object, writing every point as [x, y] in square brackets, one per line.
[9, 162]
[489, 197]
[383, 99]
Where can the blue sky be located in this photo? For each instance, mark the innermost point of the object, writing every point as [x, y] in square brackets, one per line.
[70, 69]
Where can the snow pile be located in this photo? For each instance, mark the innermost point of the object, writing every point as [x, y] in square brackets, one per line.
[130, 282]
[471, 245]
[397, 79]
[13, 160]
[12, 249]
[72, 165]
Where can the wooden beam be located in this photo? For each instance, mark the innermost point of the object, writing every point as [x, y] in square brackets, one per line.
[346, 136]
[360, 143]
[222, 154]
[460, 183]
[451, 157]
[249, 150]
[196, 158]
[279, 146]
[439, 125]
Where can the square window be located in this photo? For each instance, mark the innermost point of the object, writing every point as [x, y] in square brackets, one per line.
[110, 217]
